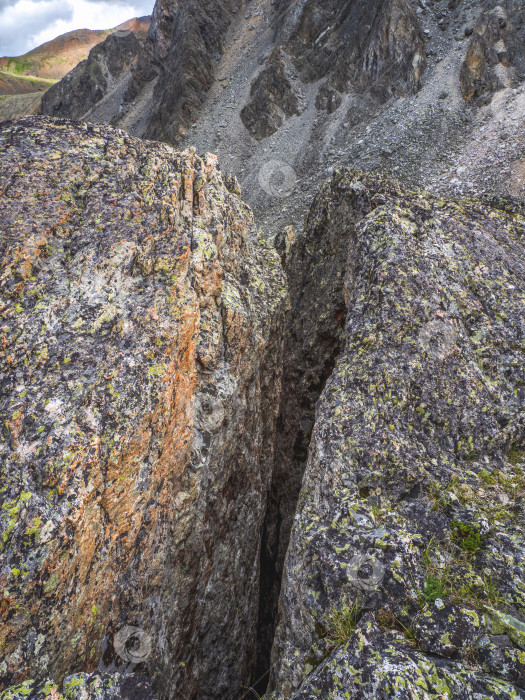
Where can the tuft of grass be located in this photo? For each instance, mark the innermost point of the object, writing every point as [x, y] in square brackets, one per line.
[516, 456]
[492, 593]
[455, 580]
[387, 620]
[487, 478]
[466, 536]
[437, 577]
[342, 623]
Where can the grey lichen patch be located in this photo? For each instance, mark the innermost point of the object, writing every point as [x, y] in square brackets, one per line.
[83, 686]
[375, 665]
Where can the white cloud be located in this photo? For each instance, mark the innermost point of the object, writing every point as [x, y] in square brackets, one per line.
[25, 24]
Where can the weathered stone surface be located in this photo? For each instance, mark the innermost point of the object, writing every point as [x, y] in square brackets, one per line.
[498, 657]
[377, 665]
[444, 629]
[496, 55]
[82, 686]
[410, 517]
[140, 354]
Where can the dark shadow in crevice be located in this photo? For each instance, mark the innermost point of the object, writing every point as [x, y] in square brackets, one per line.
[291, 452]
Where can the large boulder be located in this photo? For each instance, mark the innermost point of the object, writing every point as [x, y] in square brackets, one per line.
[140, 354]
[405, 566]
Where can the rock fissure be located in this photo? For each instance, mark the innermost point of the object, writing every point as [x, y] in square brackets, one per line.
[323, 486]
[316, 271]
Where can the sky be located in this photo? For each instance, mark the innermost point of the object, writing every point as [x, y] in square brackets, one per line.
[25, 24]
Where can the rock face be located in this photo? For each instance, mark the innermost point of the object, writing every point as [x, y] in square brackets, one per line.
[272, 99]
[496, 56]
[141, 345]
[87, 84]
[404, 576]
[185, 42]
[376, 44]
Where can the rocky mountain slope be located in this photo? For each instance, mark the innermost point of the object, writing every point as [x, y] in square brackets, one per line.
[285, 91]
[11, 84]
[141, 341]
[35, 72]
[15, 106]
[87, 84]
[54, 59]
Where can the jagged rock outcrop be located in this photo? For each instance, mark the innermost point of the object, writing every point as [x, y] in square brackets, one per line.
[140, 352]
[496, 56]
[88, 83]
[389, 57]
[404, 576]
[363, 45]
[373, 47]
[186, 41]
[272, 99]
[328, 99]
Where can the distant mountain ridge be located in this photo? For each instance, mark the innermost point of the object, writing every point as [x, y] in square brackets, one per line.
[55, 59]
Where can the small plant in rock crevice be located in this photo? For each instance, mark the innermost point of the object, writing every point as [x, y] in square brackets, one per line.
[342, 623]
[434, 588]
[387, 620]
[466, 536]
[449, 574]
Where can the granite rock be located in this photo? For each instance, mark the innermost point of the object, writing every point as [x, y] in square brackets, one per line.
[140, 351]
